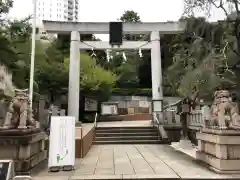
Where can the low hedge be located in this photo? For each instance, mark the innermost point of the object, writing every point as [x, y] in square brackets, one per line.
[139, 92]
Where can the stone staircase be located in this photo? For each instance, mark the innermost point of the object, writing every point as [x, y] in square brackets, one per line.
[127, 135]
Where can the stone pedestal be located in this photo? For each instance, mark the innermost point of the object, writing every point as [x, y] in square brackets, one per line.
[220, 149]
[185, 144]
[25, 147]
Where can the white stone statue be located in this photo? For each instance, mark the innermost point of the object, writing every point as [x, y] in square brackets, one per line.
[19, 115]
[224, 112]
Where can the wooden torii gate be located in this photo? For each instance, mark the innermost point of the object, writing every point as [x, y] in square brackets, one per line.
[77, 28]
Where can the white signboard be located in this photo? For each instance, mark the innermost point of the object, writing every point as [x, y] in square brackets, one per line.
[109, 109]
[62, 141]
[144, 104]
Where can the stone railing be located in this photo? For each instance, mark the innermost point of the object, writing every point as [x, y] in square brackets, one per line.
[171, 118]
[196, 119]
[172, 124]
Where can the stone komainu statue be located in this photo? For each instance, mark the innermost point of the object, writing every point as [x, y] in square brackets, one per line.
[19, 115]
[224, 112]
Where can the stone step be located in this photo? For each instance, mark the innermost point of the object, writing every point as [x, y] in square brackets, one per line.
[127, 127]
[124, 130]
[100, 134]
[119, 138]
[131, 142]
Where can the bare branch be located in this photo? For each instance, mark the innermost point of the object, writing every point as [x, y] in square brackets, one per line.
[225, 58]
[221, 5]
[235, 2]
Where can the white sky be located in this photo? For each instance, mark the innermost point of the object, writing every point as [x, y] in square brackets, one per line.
[111, 10]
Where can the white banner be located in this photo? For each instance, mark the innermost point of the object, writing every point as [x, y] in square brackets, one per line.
[62, 141]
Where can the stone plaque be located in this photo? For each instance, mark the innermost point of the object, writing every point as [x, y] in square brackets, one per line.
[90, 104]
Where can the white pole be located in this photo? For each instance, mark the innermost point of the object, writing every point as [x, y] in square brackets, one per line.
[33, 51]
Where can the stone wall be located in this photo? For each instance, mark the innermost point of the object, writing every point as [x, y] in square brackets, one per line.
[132, 104]
[84, 140]
[137, 104]
[26, 149]
[128, 117]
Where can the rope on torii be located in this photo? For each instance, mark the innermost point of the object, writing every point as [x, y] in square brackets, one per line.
[108, 56]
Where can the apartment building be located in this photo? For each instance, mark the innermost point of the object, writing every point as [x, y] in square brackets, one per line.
[57, 10]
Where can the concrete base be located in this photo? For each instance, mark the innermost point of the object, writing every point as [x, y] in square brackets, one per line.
[185, 144]
[220, 149]
[26, 148]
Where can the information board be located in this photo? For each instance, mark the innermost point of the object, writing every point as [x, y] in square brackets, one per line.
[62, 141]
[91, 104]
[109, 109]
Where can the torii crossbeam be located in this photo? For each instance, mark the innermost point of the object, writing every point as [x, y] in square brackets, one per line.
[77, 28]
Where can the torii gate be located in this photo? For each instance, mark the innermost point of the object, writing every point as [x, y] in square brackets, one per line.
[77, 28]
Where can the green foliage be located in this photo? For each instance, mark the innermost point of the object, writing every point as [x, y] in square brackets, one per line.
[130, 16]
[51, 62]
[132, 91]
[5, 5]
[93, 77]
[139, 91]
[126, 70]
[202, 59]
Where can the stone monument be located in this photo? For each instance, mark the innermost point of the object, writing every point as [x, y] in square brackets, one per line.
[20, 138]
[219, 138]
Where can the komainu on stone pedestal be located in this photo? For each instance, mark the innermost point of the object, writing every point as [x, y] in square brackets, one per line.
[219, 139]
[20, 139]
[19, 115]
[224, 113]
[219, 149]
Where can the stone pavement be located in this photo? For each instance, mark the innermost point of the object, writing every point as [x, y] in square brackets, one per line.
[135, 162]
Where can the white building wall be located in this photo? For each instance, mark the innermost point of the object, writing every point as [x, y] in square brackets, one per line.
[75, 10]
[57, 10]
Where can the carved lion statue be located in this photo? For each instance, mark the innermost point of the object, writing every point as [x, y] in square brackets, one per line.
[19, 115]
[224, 112]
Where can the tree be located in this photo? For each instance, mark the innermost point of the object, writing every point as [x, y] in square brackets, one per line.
[232, 12]
[131, 17]
[201, 59]
[6, 49]
[93, 78]
[5, 6]
[126, 69]
[52, 75]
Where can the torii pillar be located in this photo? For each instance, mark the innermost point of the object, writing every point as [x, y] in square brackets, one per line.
[74, 76]
[156, 72]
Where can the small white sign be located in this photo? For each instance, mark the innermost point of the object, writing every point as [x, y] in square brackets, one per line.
[109, 109]
[62, 141]
[157, 106]
[144, 104]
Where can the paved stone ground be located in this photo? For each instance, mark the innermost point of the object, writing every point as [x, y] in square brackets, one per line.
[135, 162]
